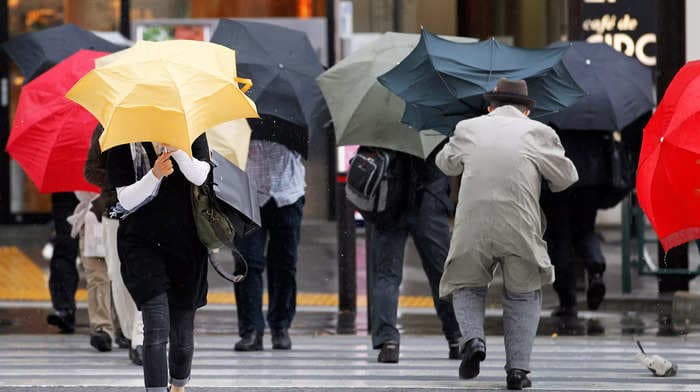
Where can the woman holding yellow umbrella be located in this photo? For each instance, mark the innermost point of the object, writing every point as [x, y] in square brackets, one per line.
[155, 101]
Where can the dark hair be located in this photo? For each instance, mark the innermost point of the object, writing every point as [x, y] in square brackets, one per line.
[494, 104]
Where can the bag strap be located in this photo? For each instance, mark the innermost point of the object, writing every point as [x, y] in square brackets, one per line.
[231, 277]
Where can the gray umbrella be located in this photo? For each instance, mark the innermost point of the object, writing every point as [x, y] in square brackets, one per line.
[233, 186]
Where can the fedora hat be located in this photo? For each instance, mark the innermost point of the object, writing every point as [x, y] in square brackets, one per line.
[510, 91]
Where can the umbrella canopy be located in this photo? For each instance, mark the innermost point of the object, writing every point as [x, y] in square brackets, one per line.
[51, 134]
[443, 82]
[231, 140]
[618, 88]
[668, 179]
[273, 129]
[285, 66]
[167, 92]
[233, 186]
[365, 112]
[36, 52]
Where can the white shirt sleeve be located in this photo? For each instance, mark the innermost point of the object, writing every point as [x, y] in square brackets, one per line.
[134, 195]
[193, 169]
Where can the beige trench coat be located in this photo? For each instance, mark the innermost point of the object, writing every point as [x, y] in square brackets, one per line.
[502, 157]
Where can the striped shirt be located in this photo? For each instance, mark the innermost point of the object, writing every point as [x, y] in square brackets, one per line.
[277, 171]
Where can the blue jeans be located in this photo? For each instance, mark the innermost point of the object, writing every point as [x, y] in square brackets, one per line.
[162, 323]
[281, 229]
[429, 226]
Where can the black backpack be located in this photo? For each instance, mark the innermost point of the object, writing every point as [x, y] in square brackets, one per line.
[378, 185]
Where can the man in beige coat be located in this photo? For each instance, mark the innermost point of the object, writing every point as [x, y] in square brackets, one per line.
[503, 157]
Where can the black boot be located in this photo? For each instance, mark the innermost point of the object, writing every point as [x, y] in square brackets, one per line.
[473, 353]
[121, 340]
[281, 340]
[252, 341]
[517, 379]
[101, 341]
[389, 353]
[596, 291]
[136, 355]
[63, 319]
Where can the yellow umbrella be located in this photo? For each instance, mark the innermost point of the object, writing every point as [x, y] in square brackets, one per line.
[167, 92]
[231, 139]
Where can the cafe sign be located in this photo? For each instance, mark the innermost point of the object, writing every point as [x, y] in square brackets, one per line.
[629, 26]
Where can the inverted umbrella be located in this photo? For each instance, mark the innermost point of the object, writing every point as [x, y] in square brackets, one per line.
[38, 51]
[285, 66]
[443, 82]
[618, 88]
[668, 179]
[365, 112]
[51, 134]
[168, 92]
[231, 139]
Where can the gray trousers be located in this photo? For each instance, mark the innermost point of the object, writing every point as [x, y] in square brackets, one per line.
[521, 316]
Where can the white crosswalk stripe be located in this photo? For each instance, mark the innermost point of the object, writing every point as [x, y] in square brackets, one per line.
[348, 362]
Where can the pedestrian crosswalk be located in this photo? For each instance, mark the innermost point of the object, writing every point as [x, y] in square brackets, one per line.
[320, 363]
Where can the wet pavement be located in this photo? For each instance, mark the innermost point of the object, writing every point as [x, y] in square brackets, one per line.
[348, 363]
[317, 274]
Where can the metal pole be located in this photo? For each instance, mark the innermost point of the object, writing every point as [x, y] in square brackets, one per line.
[125, 19]
[626, 265]
[4, 116]
[347, 277]
[369, 231]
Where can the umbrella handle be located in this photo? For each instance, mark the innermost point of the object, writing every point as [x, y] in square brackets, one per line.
[247, 83]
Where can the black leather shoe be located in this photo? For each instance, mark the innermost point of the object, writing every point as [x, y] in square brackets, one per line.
[389, 353]
[473, 353]
[281, 340]
[136, 355]
[454, 350]
[517, 379]
[63, 319]
[101, 341]
[596, 291]
[121, 340]
[252, 341]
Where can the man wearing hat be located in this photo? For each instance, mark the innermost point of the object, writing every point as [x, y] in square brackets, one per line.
[503, 157]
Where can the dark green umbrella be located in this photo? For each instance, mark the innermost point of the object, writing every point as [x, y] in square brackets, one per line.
[443, 82]
[36, 52]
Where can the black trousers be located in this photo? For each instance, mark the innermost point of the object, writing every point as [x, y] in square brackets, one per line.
[163, 323]
[428, 224]
[571, 236]
[63, 273]
[280, 233]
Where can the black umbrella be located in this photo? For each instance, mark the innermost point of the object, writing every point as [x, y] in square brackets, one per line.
[283, 66]
[233, 186]
[36, 52]
[276, 130]
[618, 88]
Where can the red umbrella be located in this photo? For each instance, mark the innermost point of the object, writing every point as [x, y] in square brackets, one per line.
[51, 134]
[668, 178]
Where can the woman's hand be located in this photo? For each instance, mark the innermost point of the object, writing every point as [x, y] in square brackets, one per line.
[163, 166]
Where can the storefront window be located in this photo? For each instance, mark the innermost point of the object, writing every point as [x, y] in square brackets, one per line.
[32, 15]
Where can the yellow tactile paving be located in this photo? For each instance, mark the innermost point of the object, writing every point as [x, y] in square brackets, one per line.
[23, 280]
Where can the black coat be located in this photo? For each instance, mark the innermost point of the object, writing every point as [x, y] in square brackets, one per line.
[158, 244]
